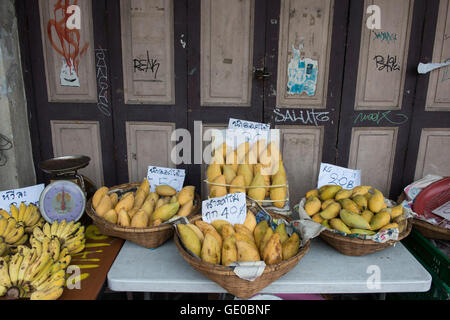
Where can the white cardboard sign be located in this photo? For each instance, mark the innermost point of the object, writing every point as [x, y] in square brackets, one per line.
[17, 196]
[232, 208]
[443, 211]
[244, 124]
[335, 175]
[168, 176]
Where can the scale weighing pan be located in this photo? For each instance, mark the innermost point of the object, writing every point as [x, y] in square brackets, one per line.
[64, 164]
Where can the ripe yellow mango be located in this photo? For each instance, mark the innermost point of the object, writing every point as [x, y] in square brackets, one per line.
[218, 190]
[273, 252]
[312, 205]
[291, 246]
[98, 195]
[164, 190]
[189, 239]
[237, 185]
[186, 194]
[229, 251]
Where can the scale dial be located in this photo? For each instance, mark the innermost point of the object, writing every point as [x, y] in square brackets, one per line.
[61, 200]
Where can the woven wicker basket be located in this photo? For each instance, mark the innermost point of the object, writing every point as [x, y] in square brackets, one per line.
[150, 237]
[351, 246]
[227, 279]
[431, 231]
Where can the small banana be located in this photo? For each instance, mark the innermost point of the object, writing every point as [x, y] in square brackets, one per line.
[58, 282]
[22, 240]
[14, 266]
[61, 227]
[46, 245]
[5, 280]
[49, 294]
[14, 212]
[10, 226]
[38, 234]
[15, 235]
[54, 227]
[3, 290]
[79, 236]
[4, 214]
[3, 248]
[3, 224]
[34, 217]
[27, 260]
[26, 214]
[65, 260]
[75, 228]
[37, 266]
[55, 248]
[43, 274]
[65, 232]
[22, 210]
[46, 229]
[36, 244]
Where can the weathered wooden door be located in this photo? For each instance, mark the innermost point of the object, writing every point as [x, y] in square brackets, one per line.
[226, 46]
[67, 85]
[147, 43]
[429, 138]
[305, 55]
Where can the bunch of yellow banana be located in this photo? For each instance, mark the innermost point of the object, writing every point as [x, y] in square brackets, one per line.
[361, 210]
[70, 235]
[142, 209]
[256, 170]
[27, 215]
[12, 234]
[220, 242]
[37, 273]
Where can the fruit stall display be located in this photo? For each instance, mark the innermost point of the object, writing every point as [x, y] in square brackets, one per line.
[132, 212]
[354, 218]
[35, 255]
[256, 170]
[212, 247]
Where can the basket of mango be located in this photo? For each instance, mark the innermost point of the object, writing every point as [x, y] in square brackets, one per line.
[131, 212]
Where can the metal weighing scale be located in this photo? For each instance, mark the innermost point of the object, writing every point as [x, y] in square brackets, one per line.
[65, 196]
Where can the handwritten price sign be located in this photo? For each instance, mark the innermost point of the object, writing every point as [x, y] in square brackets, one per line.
[158, 176]
[443, 211]
[232, 208]
[244, 124]
[344, 177]
[17, 196]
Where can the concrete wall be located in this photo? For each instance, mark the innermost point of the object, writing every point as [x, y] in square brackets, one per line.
[19, 169]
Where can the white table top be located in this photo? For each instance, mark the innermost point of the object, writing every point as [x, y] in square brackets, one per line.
[322, 270]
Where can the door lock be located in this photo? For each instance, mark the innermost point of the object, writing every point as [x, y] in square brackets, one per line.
[261, 74]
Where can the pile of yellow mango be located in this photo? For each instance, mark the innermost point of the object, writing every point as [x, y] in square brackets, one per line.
[256, 170]
[361, 210]
[143, 208]
[220, 242]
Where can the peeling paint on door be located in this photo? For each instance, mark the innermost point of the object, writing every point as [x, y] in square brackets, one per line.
[302, 73]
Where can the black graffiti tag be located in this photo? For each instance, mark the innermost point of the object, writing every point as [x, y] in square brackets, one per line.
[390, 64]
[144, 65]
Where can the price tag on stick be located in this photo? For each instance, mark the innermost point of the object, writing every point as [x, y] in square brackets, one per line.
[17, 196]
[232, 208]
[165, 176]
[344, 177]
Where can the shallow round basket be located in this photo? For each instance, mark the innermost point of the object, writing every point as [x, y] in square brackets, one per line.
[227, 279]
[351, 246]
[429, 230]
[151, 237]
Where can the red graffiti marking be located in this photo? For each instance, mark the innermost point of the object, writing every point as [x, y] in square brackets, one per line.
[68, 39]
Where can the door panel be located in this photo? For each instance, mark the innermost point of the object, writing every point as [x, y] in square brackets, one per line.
[434, 153]
[438, 94]
[378, 97]
[69, 138]
[148, 51]
[383, 57]
[376, 163]
[68, 54]
[305, 40]
[428, 144]
[301, 145]
[147, 105]
[226, 52]
[308, 123]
